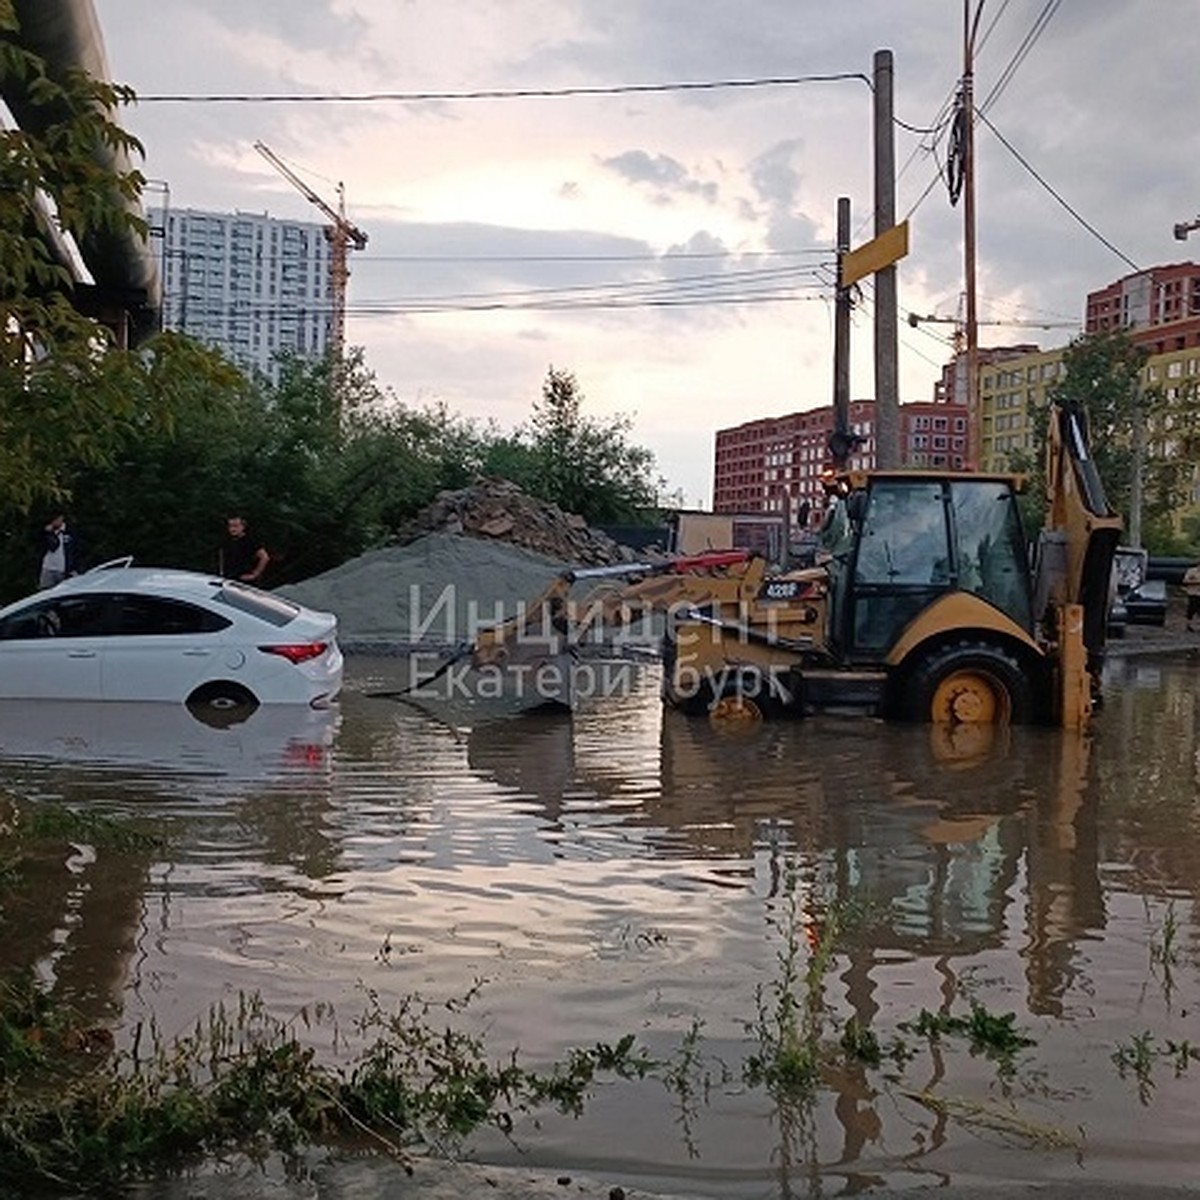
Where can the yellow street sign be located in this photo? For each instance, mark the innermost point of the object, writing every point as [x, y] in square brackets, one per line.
[880, 252]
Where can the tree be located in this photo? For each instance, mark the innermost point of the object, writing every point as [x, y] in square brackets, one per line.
[583, 465]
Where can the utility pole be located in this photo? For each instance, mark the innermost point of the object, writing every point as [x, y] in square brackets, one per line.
[967, 117]
[841, 442]
[887, 388]
[1139, 467]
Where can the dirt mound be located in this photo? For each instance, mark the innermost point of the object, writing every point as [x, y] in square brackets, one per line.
[498, 510]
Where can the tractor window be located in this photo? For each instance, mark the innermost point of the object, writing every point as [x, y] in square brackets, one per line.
[904, 535]
[992, 561]
[903, 562]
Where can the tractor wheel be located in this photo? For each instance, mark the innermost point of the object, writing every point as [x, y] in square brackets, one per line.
[744, 698]
[968, 683]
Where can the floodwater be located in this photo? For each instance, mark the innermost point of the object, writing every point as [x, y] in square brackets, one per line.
[627, 870]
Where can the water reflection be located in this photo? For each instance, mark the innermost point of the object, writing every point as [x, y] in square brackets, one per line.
[164, 743]
[629, 868]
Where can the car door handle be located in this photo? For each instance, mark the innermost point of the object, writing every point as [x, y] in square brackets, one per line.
[196, 653]
[81, 654]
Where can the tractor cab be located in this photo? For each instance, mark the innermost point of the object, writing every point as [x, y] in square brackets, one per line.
[897, 543]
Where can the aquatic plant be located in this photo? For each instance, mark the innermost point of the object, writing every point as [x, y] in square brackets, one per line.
[790, 1008]
[1139, 1056]
[242, 1079]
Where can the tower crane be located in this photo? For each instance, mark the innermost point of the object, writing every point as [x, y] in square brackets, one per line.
[915, 319]
[341, 233]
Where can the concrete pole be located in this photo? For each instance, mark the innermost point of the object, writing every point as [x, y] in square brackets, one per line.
[887, 390]
[1136, 486]
[972, 321]
[840, 443]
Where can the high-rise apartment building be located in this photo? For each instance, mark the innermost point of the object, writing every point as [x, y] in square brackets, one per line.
[247, 283]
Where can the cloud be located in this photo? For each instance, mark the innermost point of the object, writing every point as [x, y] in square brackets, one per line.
[661, 173]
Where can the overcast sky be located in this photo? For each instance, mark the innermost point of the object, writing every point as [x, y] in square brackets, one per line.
[683, 238]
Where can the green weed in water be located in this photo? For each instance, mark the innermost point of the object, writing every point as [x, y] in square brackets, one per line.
[244, 1080]
[988, 1033]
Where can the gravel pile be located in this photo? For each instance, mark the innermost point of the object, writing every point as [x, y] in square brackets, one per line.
[435, 591]
[498, 510]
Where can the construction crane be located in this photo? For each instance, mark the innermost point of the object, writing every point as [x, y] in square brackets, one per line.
[341, 234]
[915, 319]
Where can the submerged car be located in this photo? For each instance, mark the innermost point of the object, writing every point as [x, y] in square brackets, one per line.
[120, 632]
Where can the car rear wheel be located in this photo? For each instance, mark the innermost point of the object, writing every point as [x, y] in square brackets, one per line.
[968, 683]
[222, 703]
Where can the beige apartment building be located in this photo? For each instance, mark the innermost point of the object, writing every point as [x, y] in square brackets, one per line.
[1012, 389]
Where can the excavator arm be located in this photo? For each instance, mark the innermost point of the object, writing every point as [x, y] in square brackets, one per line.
[1073, 570]
[621, 594]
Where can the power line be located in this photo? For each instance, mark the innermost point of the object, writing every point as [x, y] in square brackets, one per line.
[1030, 40]
[777, 282]
[681, 284]
[589, 258]
[1028, 167]
[271, 258]
[622, 89]
[198, 312]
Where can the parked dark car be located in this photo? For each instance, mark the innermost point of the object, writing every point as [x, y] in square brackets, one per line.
[1146, 604]
[1137, 599]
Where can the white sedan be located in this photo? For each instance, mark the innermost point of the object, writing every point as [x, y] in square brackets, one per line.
[120, 632]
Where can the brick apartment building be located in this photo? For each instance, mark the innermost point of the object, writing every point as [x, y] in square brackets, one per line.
[774, 464]
[1159, 308]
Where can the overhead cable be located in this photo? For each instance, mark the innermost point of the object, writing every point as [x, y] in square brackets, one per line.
[1028, 167]
[622, 89]
[1035, 32]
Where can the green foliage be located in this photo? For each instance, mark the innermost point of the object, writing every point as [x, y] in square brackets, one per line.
[325, 464]
[583, 465]
[245, 1080]
[990, 1034]
[790, 1024]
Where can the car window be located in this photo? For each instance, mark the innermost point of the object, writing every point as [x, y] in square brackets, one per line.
[63, 616]
[275, 610]
[134, 615]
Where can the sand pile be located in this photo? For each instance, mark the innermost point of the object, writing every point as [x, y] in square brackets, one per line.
[435, 591]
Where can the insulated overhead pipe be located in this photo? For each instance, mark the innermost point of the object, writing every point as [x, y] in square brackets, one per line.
[66, 34]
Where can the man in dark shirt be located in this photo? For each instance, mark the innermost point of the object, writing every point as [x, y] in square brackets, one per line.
[242, 557]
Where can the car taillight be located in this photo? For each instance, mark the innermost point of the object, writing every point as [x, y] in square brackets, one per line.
[297, 652]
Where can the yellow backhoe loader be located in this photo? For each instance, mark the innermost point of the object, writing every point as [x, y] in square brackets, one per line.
[930, 606]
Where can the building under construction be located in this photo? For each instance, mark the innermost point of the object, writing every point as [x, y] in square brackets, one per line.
[247, 284]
